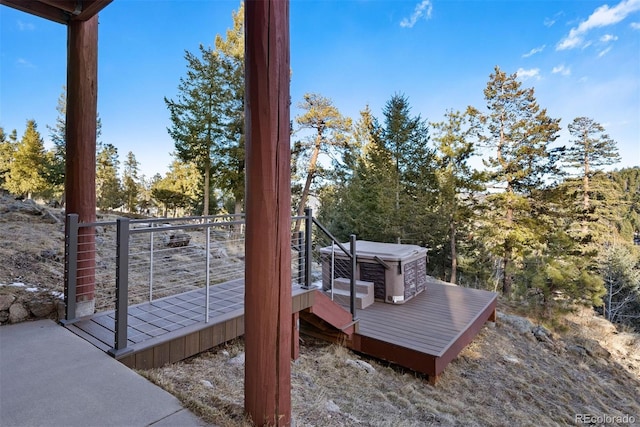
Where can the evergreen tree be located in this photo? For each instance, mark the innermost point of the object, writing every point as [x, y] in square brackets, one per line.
[8, 145]
[520, 132]
[26, 175]
[329, 136]
[196, 114]
[591, 148]
[131, 182]
[179, 189]
[109, 193]
[360, 203]
[457, 181]
[620, 269]
[56, 157]
[230, 162]
[406, 138]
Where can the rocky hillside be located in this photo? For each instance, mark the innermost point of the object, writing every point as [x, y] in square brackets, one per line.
[31, 260]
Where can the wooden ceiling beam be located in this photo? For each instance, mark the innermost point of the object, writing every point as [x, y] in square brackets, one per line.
[61, 11]
[71, 6]
[38, 9]
[90, 8]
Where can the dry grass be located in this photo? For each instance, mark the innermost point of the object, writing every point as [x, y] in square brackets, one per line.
[503, 378]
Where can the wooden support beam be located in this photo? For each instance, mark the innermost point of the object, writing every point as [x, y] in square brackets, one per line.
[268, 214]
[80, 179]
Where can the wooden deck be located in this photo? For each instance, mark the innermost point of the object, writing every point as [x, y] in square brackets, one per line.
[425, 333]
[171, 329]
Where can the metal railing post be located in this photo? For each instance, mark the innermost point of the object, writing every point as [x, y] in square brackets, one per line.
[208, 274]
[308, 223]
[352, 241]
[70, 266]
[300, 249]
[122, 285]
[151, 265]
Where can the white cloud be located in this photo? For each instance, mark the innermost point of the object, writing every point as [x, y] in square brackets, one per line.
[601, 17]
[608, 38]
[562, 70]
[534, 51]
[604, 52]
[26, 26]
[24, 63]
[533, 73]
[423, 9]
[549, 22]
[635, 25]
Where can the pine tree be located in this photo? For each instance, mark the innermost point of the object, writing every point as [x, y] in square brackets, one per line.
[229, 155]
[8, 145]
[57, 156]
[26, 175]
[591, 148]
[196, 115]
[179, 189]
[520, 132]
[109, 193]
[620, 269]
[131, 182]
[359, 202]
[457, 181]
[329, 136]
[55, 173]
[406, 138]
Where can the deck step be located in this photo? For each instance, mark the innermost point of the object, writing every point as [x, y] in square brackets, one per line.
[331, 312]
[342, 297]
[345, 284]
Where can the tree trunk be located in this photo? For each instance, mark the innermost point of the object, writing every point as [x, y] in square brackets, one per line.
[207, 179]
[585, 197]
[454, 254]
[507, 280]
[311, 172]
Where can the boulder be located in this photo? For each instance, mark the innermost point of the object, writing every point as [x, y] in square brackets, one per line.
[522, 324]
[237, 361]
[593, 348]
[542, 334]
[361, 364]
[17, 313]
[6, 301]
[178, 240]
[41, 308]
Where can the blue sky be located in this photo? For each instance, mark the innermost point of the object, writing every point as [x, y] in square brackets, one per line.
[582, 58]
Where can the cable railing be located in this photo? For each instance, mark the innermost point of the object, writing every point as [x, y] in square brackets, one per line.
[119, 265]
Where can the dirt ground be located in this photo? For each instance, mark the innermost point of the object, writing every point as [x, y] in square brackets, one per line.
[516, 372]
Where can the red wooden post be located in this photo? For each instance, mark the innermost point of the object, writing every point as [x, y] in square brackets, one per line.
[82, 95]
[295, 336]
[268, 303]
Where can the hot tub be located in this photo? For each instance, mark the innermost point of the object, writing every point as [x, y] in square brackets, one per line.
[398, 271]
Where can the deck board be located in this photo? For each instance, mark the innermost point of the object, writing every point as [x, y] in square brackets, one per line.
[173, 328]
[426, 332]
